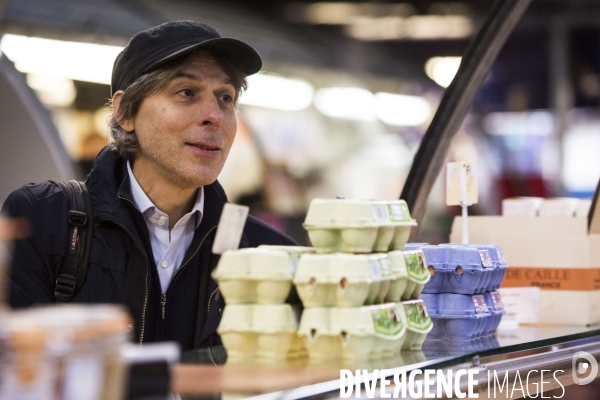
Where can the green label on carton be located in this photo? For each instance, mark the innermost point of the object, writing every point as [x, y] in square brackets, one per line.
[386, 320]
[416, 266]
[417, 317]
[380, 267]
[398, 212]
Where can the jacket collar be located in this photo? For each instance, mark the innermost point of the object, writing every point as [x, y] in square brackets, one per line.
[110, 190]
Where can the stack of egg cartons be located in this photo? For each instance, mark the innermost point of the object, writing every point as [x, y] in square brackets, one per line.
[353, 287]
[256, 323]
[461, 294]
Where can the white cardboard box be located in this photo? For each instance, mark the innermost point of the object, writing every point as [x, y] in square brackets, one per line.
[559, 255]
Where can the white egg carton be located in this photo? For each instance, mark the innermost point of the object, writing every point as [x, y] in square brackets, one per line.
[294, 253]
[353, 280]
[358, 226]
[353, 332]
[264, 331]
[254, 275]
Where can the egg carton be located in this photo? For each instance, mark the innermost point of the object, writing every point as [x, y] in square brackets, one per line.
[254, 275]
[352, 280]
[458, 316]
[418, 324]
[358, 226]
[264, 331]
[457, 269]
[353, 332]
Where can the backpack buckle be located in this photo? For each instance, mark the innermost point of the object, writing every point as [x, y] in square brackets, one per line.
[65, 287]
[77, 218]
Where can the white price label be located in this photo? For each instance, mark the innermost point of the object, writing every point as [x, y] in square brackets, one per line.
[375, 268]
[230, 229]
[498, 305]
[501, 255]
[480, 304]
[380, 213]
[486, 259]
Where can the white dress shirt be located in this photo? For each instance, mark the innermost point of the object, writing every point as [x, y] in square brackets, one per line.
[168, 248]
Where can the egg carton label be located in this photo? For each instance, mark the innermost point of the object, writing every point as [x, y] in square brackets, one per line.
[416, 266]
[387, 213]
[501, 255]
[386, 320]
[381, 214]
[380, 267]
[417, 317]
[486, 259]
[497, 300]
[480, 304]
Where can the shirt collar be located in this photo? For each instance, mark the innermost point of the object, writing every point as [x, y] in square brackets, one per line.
[143, 202]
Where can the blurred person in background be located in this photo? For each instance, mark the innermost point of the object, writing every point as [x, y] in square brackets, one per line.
[154, 196]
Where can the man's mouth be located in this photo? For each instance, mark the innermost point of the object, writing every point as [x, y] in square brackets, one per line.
[204, 147]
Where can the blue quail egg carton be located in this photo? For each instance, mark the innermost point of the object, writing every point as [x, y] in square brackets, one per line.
[496, 308]
[456, 316]
[460, 269]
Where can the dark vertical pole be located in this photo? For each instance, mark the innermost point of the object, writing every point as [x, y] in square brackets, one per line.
[561, 90]
[476, 63]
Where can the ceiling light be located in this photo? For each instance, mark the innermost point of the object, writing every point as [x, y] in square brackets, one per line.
[536, 123]
[278, 93]
[402, 110]
[52, 90]
[416, 27]
[442, 69]
[346, 102]
[73, 60]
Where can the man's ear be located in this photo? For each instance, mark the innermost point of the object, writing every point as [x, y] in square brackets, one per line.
[127, 124]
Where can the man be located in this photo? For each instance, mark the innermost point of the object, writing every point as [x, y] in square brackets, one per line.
[155, 200]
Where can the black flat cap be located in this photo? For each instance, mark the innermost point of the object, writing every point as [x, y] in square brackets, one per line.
[150, 48]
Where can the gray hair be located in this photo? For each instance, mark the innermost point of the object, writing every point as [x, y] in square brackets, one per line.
[126, 143]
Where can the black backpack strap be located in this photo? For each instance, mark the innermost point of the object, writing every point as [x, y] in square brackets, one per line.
[73, 269]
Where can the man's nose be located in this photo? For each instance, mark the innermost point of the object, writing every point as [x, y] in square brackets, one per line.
[212, 114]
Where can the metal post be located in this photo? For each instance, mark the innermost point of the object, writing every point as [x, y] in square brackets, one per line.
[561, 91]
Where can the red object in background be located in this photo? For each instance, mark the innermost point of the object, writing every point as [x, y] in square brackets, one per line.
[519, 185]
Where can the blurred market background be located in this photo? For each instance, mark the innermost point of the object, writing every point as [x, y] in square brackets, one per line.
[346, 94]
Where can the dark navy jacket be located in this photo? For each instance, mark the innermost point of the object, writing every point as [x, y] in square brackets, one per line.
[122, 268]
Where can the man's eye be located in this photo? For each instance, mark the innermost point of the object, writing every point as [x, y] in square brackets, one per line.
[227, 98]
[186, 92]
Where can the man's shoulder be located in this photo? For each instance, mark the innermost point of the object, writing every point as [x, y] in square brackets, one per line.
[259, 232]
[34, 198]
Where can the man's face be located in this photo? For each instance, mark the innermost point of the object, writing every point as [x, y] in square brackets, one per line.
[185, 131]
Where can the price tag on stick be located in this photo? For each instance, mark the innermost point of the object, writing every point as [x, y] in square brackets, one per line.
[461, 189]
[231, 226]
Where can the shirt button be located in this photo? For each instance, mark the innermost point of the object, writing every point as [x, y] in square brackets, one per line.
[164, 264]
[162, 220]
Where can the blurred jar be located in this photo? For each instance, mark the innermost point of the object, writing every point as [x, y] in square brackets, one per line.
[27, 372]
[83, 343]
